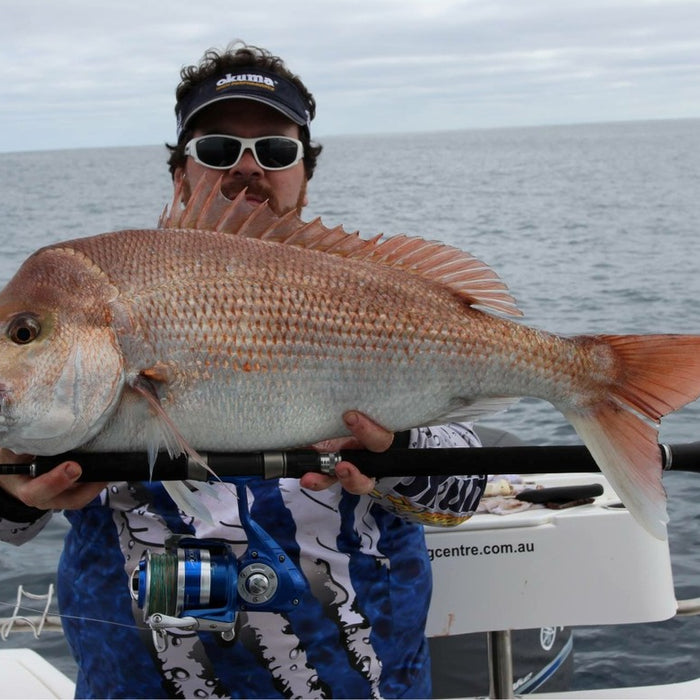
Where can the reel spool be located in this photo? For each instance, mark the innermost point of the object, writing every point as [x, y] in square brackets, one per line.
[191, 580]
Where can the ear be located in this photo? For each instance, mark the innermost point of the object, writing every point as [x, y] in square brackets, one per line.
[303, 199]
[180, 180]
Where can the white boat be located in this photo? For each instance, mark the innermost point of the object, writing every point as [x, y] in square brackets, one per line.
[26, 674]
[587, 565]
[547, 569]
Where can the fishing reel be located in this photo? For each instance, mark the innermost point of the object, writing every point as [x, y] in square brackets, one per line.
[199, 584]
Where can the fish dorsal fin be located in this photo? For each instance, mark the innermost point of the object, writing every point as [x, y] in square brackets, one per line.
[465, 276]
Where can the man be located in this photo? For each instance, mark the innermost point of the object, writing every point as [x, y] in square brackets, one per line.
[358, 630]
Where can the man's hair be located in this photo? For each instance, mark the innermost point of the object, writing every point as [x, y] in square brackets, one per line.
[239, 55]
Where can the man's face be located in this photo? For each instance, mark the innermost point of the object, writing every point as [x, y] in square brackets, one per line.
[284, 189]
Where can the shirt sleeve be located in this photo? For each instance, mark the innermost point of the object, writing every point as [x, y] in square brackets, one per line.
[435, 500]
[20, 523]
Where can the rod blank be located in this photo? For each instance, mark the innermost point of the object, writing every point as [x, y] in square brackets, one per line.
[521, 459]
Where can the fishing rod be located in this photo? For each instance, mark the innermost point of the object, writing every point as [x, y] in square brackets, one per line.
[213, 584]
[272, 464]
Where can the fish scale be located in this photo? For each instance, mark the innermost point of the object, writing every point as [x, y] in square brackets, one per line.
[261, 333]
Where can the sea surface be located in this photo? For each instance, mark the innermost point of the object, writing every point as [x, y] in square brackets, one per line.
[595, 228]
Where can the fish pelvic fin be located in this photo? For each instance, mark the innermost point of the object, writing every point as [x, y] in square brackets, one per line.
[187, 496]
[466, 277]
[656, 374]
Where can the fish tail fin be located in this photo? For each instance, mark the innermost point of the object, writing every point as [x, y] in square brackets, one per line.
[654, 375]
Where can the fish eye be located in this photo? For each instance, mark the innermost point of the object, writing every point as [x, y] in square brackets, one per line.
[23, 329]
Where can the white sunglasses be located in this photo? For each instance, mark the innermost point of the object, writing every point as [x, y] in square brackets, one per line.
[222, 151]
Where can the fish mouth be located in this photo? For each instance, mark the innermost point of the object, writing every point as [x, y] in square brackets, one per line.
[5, 402]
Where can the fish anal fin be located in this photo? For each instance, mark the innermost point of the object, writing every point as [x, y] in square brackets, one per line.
[468, 411]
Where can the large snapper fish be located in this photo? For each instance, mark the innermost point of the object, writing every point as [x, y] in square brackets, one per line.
[188, 337]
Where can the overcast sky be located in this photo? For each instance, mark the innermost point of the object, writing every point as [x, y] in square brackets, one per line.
[101, 73]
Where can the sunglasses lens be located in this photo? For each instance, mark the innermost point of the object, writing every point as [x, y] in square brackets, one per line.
[276, 152]
[218, 151]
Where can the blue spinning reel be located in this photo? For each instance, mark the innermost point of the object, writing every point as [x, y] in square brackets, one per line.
[201, 584]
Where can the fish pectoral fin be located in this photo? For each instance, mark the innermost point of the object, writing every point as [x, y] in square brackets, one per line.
[166, 432]
[159, 373]
[187, 495]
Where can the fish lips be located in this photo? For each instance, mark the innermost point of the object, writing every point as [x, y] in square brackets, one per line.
[6, 418]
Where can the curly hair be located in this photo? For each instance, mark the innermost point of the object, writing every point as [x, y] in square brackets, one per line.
[239, 55]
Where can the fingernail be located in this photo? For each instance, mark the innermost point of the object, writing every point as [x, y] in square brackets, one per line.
[351, 418]
[73, 470]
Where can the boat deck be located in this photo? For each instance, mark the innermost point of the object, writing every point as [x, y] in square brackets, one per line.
[25, 674]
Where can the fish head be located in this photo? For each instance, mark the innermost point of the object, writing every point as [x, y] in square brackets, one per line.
[61, 369]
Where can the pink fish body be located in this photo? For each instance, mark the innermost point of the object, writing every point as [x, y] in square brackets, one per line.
[263, 333]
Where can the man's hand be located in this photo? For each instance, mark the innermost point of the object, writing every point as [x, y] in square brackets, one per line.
[365, 435]
[55, 490]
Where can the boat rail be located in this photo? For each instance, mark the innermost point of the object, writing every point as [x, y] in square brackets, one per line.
[51, 622]
[48, 622]
[44, 621]
[500, 653]
[499, 642]
[688, 607]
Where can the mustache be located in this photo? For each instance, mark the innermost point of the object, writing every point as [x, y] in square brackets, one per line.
[232, 188]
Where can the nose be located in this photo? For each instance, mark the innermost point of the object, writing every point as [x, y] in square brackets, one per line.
[247, 166]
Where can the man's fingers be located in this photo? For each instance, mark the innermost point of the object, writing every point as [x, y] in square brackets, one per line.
[55, 490]
[42, 491]
[366, 434]
[353, 480]
[316, 482]
[371, 436]
[347, 474]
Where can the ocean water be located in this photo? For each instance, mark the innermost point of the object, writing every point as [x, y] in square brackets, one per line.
[595, 228]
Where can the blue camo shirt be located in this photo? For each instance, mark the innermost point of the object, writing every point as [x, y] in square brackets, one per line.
[358, 632]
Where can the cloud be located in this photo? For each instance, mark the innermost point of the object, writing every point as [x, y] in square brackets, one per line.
[104, 74]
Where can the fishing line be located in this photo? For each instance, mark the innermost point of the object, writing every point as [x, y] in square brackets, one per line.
[69, 617]
[162, 583]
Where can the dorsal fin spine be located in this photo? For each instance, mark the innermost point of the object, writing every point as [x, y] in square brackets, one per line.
[468, 278]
